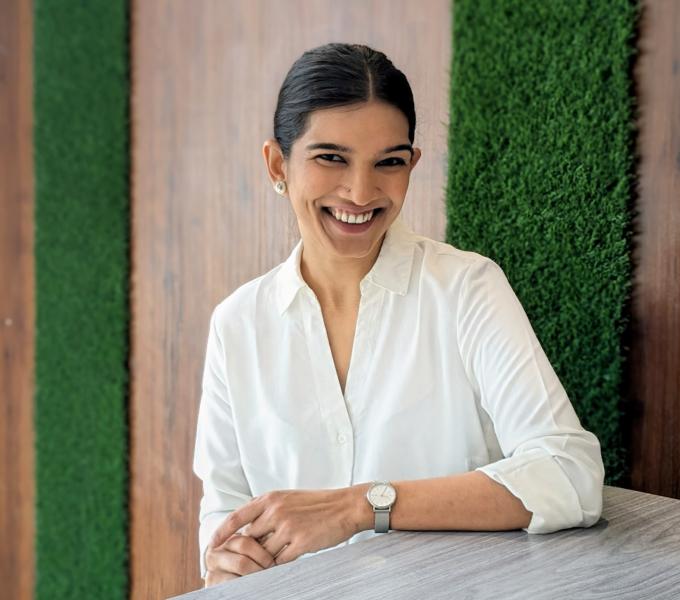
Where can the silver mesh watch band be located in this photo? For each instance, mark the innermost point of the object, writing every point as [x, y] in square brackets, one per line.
[382, 520]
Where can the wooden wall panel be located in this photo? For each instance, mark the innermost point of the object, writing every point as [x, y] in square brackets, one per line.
[655, 335]
[205, 219]
[16, 301]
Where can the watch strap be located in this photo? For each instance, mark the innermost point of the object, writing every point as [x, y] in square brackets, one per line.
[382, 520]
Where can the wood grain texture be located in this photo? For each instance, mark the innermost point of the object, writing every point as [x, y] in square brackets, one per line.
[632, 553]
[655, 333]
[16, 301]
[205, 76]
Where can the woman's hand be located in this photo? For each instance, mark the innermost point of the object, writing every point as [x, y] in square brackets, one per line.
[238, 556]
[297, 521]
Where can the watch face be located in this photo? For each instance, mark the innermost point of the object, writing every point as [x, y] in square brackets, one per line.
[382, 495]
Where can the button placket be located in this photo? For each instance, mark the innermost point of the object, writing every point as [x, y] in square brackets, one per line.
[362, 350]
[331, 401]
[368, 323]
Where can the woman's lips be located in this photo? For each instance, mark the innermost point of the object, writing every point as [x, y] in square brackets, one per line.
[352, 228]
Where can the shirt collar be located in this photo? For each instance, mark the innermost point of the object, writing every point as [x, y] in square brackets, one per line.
[391, 270]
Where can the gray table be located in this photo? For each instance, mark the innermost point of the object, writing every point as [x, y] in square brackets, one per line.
[633, 552]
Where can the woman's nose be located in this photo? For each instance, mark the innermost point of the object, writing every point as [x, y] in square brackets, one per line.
[361, 186]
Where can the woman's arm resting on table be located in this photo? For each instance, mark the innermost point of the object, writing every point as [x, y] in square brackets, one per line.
[551, 463]
[302, 521]
[468, 501]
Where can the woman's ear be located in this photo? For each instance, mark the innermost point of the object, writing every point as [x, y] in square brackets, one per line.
[274, 160]
[415, 158]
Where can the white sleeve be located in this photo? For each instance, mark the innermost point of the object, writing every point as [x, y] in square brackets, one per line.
[551, 463]
[217, 460]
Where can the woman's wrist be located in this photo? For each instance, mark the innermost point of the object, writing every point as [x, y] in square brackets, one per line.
[359, 507]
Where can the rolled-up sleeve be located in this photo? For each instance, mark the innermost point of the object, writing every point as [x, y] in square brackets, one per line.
[216, 456]
[551, 463]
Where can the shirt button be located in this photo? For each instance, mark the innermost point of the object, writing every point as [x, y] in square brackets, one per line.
[342, 438]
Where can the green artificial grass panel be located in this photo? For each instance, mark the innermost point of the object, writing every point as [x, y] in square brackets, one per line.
[81, 261]
[541, 172]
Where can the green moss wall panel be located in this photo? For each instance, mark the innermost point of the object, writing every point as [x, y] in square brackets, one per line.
[81, 261]
[541, 176]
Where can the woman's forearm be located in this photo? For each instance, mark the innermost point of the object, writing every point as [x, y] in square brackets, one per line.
[468, 501]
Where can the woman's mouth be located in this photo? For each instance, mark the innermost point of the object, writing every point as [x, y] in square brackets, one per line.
[352, 223]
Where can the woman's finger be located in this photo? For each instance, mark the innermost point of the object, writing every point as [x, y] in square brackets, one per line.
[234, 521]
[288, 554]
[218, 577]
[244, 544]
[265, 537]
[231, 562]
[275, 543]
[258, 528]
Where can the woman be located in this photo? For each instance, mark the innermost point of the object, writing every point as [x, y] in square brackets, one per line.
[377, 379]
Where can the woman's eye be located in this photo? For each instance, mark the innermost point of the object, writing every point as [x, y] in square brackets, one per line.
[398, 162]
[388, 162]
[329, 157]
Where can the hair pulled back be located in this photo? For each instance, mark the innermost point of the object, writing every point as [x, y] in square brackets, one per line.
[338, 74]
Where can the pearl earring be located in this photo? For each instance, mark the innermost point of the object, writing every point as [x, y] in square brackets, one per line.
[280, 187]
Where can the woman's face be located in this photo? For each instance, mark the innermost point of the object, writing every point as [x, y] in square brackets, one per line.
[354, 159]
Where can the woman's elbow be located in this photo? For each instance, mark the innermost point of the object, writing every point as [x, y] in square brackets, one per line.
[587, 479]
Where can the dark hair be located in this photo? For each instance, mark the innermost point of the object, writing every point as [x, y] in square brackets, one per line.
[338, 74]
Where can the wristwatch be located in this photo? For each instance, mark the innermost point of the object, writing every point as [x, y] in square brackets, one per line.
[382, 496]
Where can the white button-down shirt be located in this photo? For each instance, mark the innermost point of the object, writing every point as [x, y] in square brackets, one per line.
[446, 376]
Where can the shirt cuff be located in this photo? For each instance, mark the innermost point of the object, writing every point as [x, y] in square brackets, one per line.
[538, 480]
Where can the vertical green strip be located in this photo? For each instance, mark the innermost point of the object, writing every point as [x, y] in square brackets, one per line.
[82, 269]
[541, 172]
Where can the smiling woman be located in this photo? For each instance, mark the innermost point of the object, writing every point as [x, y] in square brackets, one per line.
[377, 378]
[365, 180]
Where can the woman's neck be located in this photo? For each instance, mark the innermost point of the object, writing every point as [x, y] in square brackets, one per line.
[335, 280]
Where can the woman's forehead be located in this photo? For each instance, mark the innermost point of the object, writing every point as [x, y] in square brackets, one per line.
[369, 111]
[369, 125]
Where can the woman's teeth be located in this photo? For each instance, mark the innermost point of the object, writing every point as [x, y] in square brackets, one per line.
[350, 217]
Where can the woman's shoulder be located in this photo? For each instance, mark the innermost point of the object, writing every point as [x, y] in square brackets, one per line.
[452, 262]
[244, 300]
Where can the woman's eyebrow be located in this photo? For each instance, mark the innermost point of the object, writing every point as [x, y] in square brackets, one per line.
[339, 148]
